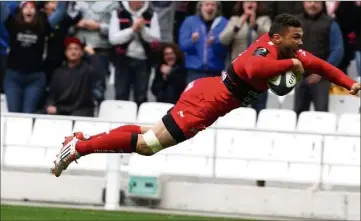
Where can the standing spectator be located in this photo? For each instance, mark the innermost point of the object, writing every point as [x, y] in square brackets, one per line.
[274, 8]
[348, 16]
[323, 38]
[169, 81]
[205, 55]
[94, 27]
[244, 27]
[25, 79]
[358, 41]
[4, 38]
[133, 29]
[165, 11]
[71, 88]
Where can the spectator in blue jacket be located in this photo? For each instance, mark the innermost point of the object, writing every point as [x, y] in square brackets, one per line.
[205, 55]
[5, 8]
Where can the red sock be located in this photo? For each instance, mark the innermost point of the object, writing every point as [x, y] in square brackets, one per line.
[126, 128]
[114, 142]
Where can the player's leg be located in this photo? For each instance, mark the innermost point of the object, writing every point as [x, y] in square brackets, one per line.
[154, 140]
[125, 128]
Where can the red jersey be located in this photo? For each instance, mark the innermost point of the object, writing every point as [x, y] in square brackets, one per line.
[260, 62]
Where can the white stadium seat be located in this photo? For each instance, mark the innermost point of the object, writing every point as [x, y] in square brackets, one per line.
[146, 165]
[231, 168]
[24, 156]
[273, 101]
[115, 110]
[4, 106]
[349, 123]
[317, 122]
[238, 118]
[342, 104]
[188, 166]
[91, 127]
[342, 151]
[203, 144]
[288, 102]
[151, 112]
[341, 175]
[273, 119]
[2, 138]
[18, 130]
[50, 132]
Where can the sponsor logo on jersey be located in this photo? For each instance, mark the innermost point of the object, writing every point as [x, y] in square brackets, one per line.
[261, 52]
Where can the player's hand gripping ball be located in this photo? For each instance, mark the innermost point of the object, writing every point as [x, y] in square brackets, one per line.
[284, 83]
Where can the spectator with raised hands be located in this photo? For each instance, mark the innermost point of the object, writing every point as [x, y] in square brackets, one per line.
[245, 26]
[25, 79]
[205, 55]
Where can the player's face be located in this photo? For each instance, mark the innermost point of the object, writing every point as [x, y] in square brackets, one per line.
[73, 52]
[290, 42]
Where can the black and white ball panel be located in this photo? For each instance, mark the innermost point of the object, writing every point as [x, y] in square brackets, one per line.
[283, 84]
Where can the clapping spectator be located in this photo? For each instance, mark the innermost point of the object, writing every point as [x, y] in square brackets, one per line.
[199, 40]
[133, 29]
[244, 27]
[169, 81]
[25, 79]
[94, 27]
[72, 86]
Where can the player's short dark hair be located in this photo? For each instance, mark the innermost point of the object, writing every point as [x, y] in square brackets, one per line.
[283, 21]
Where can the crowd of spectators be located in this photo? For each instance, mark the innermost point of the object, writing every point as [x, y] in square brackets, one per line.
[56, 56]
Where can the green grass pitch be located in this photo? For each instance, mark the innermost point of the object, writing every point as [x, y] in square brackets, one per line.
[44, 213]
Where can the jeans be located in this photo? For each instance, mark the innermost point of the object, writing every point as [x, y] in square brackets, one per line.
[358, 62]
[130, 71]
[3, 61]
[23, 90]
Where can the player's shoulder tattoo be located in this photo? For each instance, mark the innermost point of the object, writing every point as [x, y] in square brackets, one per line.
[261, 51]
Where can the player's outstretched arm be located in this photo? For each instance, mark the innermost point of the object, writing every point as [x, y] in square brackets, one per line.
[265, 67]
[316, 65]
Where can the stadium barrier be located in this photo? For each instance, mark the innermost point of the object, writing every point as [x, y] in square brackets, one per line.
[189, 194]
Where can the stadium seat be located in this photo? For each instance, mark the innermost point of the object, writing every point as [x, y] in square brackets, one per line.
[2, 138]
[151, 112]
[238, 118]
[273, 101]
[273, 119]
[92, 162]
[146, 165]
[18, 130]
[201, 145]
[266, 170]
[91, 127]
[230, 168]
[349, 123]
[342, 151]
[303, 173]
[24, 156]
[288, 102]
[306, 149]
[341, 175]
[280, 102]
[317, 122]
[4, 106]
[188, 166]
[115, 110]
[50, 132]
[342, 104]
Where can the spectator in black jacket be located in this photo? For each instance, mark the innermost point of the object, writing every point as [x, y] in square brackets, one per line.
[170, 75]
[73, 85]
[25, 79]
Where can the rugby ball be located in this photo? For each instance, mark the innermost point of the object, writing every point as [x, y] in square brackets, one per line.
[283, 83]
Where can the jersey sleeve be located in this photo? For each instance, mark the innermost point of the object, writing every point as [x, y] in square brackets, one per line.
[262, 64]
[316, 65]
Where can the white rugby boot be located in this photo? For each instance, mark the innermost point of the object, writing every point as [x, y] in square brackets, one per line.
[67, 155]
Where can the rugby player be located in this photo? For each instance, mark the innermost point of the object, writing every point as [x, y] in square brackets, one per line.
[205, 100]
